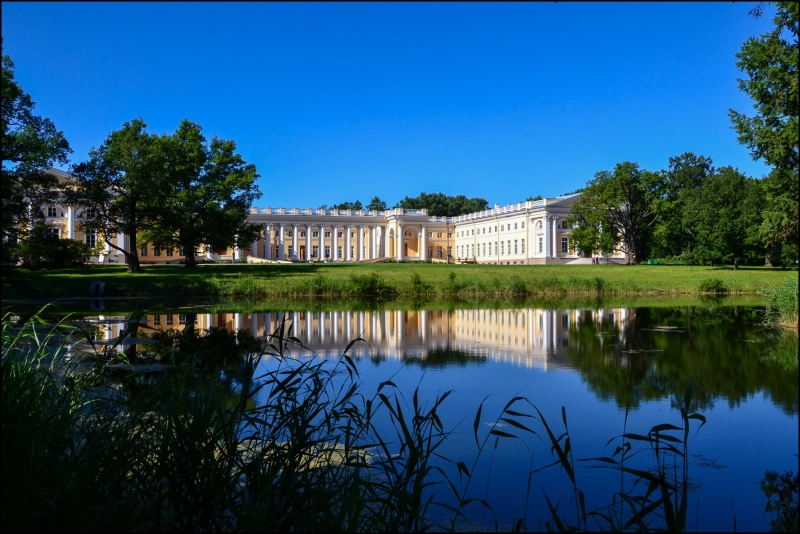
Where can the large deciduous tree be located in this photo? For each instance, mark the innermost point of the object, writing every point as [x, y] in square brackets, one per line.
[30, 145]
[770, 62]
[205, 195]
[724, 217]
[685, 173]
[619, 203]
[120, 182]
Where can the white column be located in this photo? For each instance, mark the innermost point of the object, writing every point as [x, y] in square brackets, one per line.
[399, 241]
[546, 237]
[400, 326]
[281, 243]
[308, 242]
[268, 242]
[254, 324]
[386, 238]
[335, 243]
[346, 244]
[348, 326]
[237, 252]
[322, 242]
[254, 248]
[334, 329]
[554, 223]
[424, 325]
[294, 242]
[424, 242]
[70, 222]
[209, 253]
[122, 242]
[371, 250]
[360, 243]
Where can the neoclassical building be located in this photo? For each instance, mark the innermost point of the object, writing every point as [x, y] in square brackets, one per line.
[532, 232]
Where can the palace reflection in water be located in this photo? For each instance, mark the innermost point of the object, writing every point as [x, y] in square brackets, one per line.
[531, 337]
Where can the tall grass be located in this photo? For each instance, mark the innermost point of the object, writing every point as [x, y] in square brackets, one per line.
[782, 307]
[275, 443]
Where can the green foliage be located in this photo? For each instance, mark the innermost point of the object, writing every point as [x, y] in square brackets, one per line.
[779, 229]
[687, 172]
[204, 196]
[782, 492]
[376, 204]
[770, 62]
[712, 285]
[120, 181]
[617, 205]
[31, 144]
[783, 303]
[723, 216]
[348, 206]
[43, 250]
[441, 205]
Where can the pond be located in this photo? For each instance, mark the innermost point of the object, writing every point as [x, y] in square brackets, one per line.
[603, 371]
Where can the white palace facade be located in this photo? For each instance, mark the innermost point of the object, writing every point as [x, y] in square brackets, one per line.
[531, 232]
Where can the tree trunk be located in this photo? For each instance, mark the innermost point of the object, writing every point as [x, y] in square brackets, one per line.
[132, 255]
[191, 262]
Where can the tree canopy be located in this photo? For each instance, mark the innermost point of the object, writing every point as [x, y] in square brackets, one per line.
[441, 205]
[618, 206]
[205, 195]
[120, 182]
[770, 62]
[31, 144]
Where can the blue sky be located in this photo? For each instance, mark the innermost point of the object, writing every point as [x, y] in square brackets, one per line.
[338, 102]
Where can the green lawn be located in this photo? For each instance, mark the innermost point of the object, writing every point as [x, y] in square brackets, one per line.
[391, 280]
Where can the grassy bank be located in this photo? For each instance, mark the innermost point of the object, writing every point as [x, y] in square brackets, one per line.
[392, 280]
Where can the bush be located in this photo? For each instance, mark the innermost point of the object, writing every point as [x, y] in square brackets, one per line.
[712, 285]
[43, 250]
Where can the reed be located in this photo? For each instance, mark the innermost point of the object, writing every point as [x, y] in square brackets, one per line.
[295, 446]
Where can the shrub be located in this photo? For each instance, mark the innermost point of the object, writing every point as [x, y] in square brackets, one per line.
[712, 285]
[42, 250]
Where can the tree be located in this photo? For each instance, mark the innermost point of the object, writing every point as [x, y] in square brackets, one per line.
[619, 204]
[204, 196]
[120, 182]
[30, 145]
[44, 250]
[770, 61]
[685, 173]
[441, 205]
[355, 206]
[724, 216]
[376, 204]
[537, 197]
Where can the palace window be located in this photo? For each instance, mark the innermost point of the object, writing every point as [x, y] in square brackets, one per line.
[439, 252]
[55, 231]
[541, 244]
[90, 213]
[327, 234]
[502, 248]
[327, 251]
[430, 252]
[509, 246]
[314, 234]
[449, 235]
[157, 320]
[515, 246]
[181, 318]
[302, 234]
[339, 251]
[169, 320]
[169, 252]
[51, 211]
[564, 245]
[338, 234]
[502, 227]
[290, 251]
[515, 226]
[449, 251]
[522, 224]
[523, 246]
[438, 234]
[143, 251]
[156, 251]
[315, 251]
[430, 234]
[90, 238]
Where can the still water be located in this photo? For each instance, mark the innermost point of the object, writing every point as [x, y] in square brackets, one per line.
[612, 371]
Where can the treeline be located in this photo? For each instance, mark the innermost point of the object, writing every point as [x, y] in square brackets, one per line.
[437, 204]
[691, 212]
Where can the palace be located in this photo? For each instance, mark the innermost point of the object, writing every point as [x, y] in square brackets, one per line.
[532, 232]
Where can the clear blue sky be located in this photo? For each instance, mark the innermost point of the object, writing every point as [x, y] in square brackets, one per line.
[338, 102]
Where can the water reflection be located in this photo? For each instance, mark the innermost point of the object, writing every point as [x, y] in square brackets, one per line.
[629, 356]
